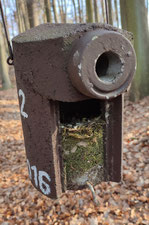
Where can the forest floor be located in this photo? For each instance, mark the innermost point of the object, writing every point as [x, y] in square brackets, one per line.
[123, 203]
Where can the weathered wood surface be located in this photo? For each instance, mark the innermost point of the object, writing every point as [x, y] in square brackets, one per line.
[113, 138]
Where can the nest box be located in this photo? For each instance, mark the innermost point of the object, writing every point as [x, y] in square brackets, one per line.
[70, 80]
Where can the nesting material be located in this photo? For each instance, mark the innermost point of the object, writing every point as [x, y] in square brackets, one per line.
[82, 145]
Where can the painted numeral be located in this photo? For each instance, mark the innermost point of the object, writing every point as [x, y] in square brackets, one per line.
[24, 114]
[44, 187]
[39, 178]
[35, 175]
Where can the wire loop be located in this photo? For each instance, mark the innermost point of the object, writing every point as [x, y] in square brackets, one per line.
[10, 61]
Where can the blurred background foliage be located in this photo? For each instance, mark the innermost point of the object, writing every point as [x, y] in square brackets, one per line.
[131, 15]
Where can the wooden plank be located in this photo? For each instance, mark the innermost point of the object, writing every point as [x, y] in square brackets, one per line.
[40, 127]
[113, 136]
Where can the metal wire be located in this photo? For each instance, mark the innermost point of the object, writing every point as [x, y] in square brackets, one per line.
[10, 58]
[107, 11]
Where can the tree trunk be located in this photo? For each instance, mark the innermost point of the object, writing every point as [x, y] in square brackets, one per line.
[62, 12]
[24, 14]
[47, 5]
[54, 10]
[103, 11]
[79, 10]
[75, 11]
[89, 11]
[19, 18]
[32, 12]
[65, 12]
[110, 12]
[96, 11]
[82, 10]
[116, 12]
[4, 72]
[123, 14]
[134, 19]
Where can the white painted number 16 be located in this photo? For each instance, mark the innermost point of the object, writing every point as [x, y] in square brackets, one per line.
[38, 177]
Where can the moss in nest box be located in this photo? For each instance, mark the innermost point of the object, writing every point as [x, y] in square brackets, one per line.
[83, 152]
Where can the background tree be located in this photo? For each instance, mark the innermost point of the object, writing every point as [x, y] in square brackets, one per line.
[4, 73]
[75, 11]
[32, 12]
[79, 10]
[103, 11]
[22, 16]
[54, 11]
[110, 11]
[135, 19]
[116, 12]
[89, 11]
[62, 10]
[96, 11]
[47, 5]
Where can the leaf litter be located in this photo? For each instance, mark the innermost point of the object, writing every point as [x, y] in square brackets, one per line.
[119, 203]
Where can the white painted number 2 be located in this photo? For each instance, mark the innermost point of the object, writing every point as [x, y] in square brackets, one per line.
[38, 177]
[24, 114]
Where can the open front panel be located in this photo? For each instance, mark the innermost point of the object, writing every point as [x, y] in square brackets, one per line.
[81, 129]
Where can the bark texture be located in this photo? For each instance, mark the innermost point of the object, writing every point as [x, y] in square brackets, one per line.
[89, 11]
[4, 73]
[32, 12]
[134, 19]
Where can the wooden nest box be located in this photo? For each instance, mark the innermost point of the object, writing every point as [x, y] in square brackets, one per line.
[70, 80]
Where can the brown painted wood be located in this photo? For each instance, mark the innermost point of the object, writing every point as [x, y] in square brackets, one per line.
[40, 127]
[44, 53]
[113, 135]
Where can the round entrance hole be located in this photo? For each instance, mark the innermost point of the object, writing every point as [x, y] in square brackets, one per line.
[108, 67]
